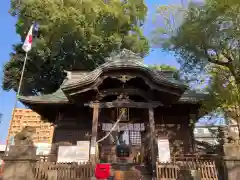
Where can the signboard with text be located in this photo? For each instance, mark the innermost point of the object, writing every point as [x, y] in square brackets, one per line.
[164, 151]
[43, 149]
[79, 153]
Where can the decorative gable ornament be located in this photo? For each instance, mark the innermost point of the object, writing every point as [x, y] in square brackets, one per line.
[125, 55]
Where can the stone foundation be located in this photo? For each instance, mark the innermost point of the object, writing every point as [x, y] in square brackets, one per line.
[232, 161]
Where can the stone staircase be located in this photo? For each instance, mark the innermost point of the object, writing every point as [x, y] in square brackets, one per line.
[130, 171]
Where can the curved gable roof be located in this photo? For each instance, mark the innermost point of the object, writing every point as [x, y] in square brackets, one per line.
[125, 60]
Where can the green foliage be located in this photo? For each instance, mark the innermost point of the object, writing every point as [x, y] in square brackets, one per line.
[74, 35]
[209, 34]
[224, 91]
[208, 41]
[164, 67]
[224, 94]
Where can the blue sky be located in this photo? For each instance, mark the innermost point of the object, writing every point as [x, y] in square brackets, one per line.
[8, 37]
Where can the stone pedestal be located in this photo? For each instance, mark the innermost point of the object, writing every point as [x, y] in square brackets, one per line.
[232, 161]
[18, 169]
[22, 151]
[20, 163]
[186, 174]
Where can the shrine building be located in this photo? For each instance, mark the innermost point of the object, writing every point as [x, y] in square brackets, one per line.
[153, 105]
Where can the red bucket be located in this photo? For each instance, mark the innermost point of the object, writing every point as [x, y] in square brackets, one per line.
[102, 171]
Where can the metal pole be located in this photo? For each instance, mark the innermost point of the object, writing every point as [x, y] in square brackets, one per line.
[21, 78]
[18, 92]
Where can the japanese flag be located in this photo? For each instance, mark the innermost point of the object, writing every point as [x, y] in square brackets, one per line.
[28, 41]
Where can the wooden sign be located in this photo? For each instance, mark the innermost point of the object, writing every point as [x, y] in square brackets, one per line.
[164, 151]
[79, 153]
[125, 111]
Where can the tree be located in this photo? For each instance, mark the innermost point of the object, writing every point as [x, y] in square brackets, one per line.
[224, 94]
[209, 34]
[74, 35]
[208, 41]
[165, 67]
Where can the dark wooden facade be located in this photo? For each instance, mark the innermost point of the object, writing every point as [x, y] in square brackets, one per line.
[87, 100]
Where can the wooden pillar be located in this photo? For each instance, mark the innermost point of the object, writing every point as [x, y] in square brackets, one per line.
[152, 141]
[192, 121]
[93, 150]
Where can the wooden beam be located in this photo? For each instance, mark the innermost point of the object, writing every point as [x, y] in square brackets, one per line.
[192, 117]
[128, 91]
[152, 141]
[93, 156]
[125, 104]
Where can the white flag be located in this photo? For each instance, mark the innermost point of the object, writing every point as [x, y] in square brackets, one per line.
[28, 41]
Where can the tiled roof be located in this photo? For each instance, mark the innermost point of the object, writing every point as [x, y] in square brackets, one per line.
[124, 60]
[57, 97]
[192, 96]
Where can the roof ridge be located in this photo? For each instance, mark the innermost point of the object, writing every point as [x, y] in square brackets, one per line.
[124, 55]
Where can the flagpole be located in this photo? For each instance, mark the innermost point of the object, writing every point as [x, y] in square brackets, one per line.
[27, 45]
[18, 92]
[22, 74]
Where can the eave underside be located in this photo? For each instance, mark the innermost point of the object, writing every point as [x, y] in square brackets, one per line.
[42, 100]
[108, 88]
[47, 106]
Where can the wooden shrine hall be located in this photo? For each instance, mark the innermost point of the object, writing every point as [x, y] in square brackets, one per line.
[153, 105]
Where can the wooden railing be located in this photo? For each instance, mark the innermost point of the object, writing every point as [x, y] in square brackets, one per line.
[172, 171]
[165, 171]
[63, 171]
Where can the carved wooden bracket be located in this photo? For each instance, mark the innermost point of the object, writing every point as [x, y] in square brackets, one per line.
[122, 98]
[125, 78]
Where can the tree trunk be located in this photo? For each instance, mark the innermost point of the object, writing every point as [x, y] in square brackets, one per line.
[238, 126]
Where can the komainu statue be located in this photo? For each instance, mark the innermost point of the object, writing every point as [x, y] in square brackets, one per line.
[23, 144]
[25, 136]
